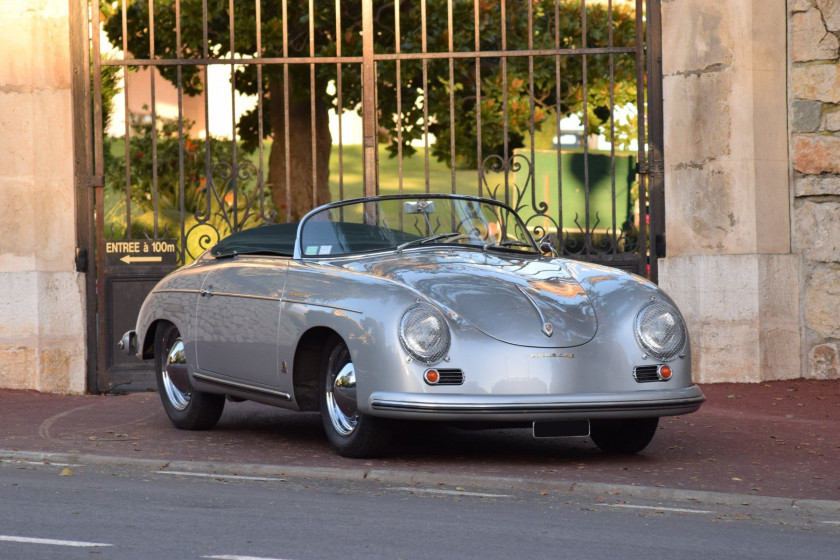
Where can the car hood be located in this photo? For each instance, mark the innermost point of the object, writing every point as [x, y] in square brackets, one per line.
[522, 301]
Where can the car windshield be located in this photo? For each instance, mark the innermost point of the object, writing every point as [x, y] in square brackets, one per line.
[404, 223]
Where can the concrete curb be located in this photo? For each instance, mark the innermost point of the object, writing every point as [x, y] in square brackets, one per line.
[435, 479]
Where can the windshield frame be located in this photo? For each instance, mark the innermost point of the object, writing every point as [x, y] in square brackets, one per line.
[298, 250]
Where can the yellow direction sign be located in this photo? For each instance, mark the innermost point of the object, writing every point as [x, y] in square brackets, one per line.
[148, 252]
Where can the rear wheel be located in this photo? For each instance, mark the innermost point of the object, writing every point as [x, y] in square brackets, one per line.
[350, 432]
[186, 408]
[623, 436]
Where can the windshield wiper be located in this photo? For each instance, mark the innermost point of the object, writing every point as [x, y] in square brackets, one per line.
[424, 240]
[508, 243]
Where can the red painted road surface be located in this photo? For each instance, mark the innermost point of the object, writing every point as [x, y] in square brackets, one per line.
[780, 438]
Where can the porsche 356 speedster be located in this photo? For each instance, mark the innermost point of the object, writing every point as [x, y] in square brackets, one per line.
[432, 307]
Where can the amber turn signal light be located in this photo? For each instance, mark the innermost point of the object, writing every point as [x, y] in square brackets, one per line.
[664, 373]
[431, 376]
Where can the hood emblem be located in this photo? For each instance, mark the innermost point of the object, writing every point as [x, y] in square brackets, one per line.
[547, 329]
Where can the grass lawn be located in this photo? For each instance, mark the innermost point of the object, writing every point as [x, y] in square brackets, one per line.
[412, 178]
[413, 174]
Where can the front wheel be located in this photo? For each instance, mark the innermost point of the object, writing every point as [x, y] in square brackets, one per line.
[350, 432]
[186, 408]
[623, 436]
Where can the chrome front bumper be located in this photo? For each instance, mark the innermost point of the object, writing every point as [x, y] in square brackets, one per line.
[669, 402]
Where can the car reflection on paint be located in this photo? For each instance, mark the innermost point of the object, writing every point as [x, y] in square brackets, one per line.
[431, 307]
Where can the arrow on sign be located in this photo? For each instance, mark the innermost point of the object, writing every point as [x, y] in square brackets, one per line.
[128, 259]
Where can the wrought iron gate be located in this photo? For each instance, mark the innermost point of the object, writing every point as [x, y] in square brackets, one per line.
[477, 87]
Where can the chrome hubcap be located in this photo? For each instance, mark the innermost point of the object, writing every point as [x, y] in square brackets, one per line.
[176, 382]
[341, 400]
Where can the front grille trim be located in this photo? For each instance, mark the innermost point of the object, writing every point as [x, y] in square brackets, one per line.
[450, 376]
[646, 374]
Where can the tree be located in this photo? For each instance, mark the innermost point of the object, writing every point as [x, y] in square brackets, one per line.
[501, 83]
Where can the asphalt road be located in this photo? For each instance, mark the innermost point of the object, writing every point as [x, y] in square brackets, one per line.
[130, 512]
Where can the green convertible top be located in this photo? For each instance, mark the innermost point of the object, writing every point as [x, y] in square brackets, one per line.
[275, 239]
[320, 239]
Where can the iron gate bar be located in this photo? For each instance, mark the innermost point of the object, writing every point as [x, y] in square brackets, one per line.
[208, 171]
[425, 62]
[505, 150]
[451, 96]
[261, 177]
[368, 99]
[313, 134]
[614, 237]
[181, 185]
[558, 112]
[287, 154]
[376, 122]
[477, 34]
[154, 120]
[587, 237]
[127, 120]
[531, 123]
[398, 49]
[234, 161]
[340, 105]
[643, 244]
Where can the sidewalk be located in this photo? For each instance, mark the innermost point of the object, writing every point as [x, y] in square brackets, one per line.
[780, 438]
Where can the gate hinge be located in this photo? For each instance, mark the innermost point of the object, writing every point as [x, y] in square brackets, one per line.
[660, 245]
[81, 259]
[92, 181]
[648, 168]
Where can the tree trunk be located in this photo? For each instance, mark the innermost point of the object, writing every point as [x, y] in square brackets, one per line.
[303, 196]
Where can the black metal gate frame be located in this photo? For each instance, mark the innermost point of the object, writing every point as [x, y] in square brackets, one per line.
[649, 104]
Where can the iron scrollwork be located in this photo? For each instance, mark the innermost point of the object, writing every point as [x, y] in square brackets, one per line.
[585, 242]
[230, 206]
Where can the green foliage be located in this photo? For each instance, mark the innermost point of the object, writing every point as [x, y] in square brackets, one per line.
[506, 85]
[154, 191]
[110, 82]
[510, 86]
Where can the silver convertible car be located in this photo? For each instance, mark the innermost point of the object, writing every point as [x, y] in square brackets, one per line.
[434, 307]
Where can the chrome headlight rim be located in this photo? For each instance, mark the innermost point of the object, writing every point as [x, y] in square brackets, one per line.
[411, 318]
[665, 349]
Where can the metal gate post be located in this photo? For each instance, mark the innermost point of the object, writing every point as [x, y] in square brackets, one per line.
[368, 99]
[656, 161]
[83, 171]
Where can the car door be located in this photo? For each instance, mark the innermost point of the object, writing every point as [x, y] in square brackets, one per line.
[238, 319]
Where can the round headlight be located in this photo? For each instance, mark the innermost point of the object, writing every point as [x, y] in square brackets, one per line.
[424, 333]
[660, 330]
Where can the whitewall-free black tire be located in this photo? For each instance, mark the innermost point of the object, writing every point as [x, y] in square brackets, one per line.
[186, 408]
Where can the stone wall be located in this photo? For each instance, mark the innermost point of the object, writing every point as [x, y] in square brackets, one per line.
[42, 311]
[814, 117]
[729, 264]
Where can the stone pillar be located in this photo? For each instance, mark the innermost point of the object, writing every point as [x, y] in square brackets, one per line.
[729, 264]
[42, 318]
[814, 96]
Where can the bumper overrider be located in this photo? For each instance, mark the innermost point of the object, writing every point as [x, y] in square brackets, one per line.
[640, 404]
[128, 343]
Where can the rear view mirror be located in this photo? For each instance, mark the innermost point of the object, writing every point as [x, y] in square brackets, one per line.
[547, 245]
[419, 207]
